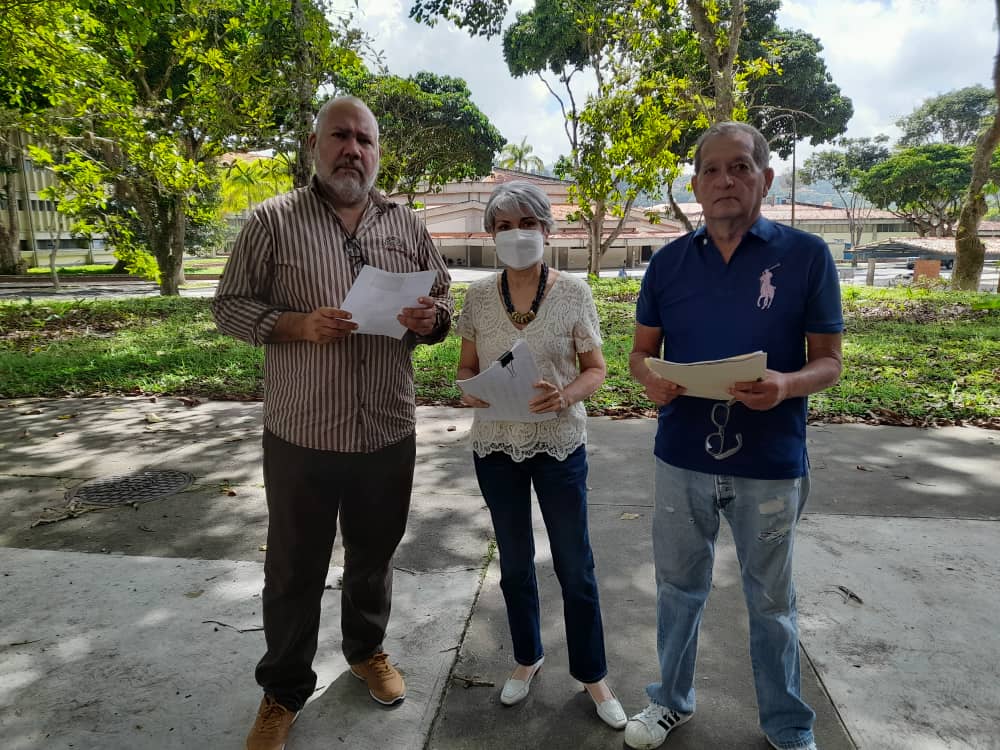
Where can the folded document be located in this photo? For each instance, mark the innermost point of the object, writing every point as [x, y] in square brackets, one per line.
[507, 386]
[712, 378]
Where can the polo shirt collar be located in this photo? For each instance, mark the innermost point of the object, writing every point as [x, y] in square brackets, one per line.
[763, 229]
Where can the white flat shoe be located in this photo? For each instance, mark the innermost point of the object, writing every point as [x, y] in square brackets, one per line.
[515, 691]
[611, 711]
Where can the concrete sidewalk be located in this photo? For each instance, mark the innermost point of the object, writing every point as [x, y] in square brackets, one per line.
[137, 626]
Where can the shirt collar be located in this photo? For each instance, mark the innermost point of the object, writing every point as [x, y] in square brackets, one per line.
[763, 229]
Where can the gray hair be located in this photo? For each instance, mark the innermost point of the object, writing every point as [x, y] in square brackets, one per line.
[761, 150]
[519, 195]
[338, 100]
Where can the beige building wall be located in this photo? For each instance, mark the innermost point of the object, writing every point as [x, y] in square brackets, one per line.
[41, 224]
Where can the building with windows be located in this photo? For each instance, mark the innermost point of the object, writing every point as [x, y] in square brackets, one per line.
[827, 221]
[40, 226]
[453, 214]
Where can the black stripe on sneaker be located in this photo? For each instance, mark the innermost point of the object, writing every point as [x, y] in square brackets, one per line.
[670, 721]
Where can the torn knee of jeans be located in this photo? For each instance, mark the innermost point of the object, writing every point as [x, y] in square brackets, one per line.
[770, 507]
[774, 536]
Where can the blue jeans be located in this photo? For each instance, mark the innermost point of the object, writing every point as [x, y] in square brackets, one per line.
[561, 488]
[762, 515]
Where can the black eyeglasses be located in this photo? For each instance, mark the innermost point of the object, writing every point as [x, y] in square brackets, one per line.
[720, 418]
[356, 255]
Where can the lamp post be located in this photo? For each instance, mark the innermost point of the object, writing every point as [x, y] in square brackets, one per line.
[795, 138]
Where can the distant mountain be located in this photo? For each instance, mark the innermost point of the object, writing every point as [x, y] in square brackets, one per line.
[819, 193]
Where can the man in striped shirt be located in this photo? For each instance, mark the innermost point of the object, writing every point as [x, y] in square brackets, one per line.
[339, 407]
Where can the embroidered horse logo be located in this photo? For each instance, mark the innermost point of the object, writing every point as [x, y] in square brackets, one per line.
[766, 288]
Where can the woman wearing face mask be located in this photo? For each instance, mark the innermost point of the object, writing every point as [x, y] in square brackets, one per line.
[554, 314]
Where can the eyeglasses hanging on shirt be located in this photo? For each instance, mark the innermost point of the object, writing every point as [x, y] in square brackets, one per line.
[356, 256]
[720, 418]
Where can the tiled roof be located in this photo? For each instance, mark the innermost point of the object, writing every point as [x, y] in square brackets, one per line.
[937, 245]
[783, 212]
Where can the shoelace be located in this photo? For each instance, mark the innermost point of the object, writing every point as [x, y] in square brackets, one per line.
[653, 713]
[271, 717]
[380, 665]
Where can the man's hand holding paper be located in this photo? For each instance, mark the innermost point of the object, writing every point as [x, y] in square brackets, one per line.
[715, 379]
[381, 302]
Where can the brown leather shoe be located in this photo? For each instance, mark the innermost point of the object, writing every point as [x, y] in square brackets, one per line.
[270, 730]
[385, 684]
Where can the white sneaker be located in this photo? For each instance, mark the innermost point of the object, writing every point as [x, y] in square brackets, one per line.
[515, 691]
[810, 746]
[649, 729]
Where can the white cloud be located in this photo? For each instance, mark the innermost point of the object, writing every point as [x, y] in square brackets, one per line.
[886, 55]
[890, 56]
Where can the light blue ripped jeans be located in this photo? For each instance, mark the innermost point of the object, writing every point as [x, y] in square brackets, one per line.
[762, 515]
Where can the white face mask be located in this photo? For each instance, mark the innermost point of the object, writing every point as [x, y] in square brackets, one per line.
[519, 248]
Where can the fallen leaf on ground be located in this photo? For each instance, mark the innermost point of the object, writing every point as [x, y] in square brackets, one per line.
[628, 516]
[194, 594]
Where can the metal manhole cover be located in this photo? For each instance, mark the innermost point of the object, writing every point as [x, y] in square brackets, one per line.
[140, 487]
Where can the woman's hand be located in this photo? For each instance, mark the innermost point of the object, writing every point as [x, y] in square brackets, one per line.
[551, 399]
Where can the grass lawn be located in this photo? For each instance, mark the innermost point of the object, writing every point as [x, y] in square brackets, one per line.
[192, 267]
[911, 356]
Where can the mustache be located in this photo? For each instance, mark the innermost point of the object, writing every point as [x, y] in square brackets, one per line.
[348, 164]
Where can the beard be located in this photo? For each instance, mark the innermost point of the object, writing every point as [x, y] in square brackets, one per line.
[349, 187]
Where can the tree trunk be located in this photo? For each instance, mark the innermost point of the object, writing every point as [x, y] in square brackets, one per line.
[720, 58]
[302, 169]
[678, 214]
[595, 229]
[969, 249]
[53, 265]
[167, 242]
[10, 230]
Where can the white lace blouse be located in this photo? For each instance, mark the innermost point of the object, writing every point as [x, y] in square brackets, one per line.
[566, 325]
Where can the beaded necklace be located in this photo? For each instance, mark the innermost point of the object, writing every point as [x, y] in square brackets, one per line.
[523, 318]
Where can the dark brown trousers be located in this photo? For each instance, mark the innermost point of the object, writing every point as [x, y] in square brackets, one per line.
[306, 492]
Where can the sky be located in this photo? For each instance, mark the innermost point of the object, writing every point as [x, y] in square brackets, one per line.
[888, 56]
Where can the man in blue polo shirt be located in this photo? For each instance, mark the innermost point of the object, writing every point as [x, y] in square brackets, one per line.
[738, 284]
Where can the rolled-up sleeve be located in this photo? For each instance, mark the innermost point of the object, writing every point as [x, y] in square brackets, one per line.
[241, 306]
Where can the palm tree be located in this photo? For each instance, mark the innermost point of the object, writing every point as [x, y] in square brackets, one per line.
[519, 157]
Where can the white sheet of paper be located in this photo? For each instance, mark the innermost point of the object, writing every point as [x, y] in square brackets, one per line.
[508, 388]
[710, 379]
[377, 296]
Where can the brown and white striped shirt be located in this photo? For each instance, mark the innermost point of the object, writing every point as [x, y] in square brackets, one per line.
[355, 395]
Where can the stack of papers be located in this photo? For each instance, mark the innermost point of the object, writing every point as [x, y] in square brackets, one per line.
[507, 386]
[377, 296]
[712, 378]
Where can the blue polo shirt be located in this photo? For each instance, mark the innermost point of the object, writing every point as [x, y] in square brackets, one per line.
[780, 284]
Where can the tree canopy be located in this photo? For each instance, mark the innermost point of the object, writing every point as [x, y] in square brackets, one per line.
[923, 184]
[956, 117]
[431, 132]
[148, 97]
[843, 168]
[518, 156]
[619, 136]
